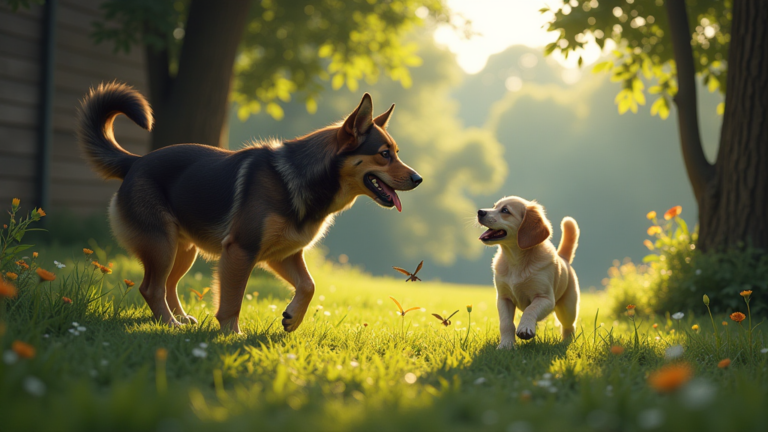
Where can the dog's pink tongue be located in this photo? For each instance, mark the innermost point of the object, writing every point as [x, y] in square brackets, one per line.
[392, 194]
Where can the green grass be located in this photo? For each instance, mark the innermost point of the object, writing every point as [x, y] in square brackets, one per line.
[336, 373]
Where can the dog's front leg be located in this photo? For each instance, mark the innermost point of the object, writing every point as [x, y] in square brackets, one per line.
[506, 322]
[235, 268]
[539, 308]
[294, 270]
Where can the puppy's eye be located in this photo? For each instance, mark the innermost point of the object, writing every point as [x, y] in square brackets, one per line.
[385, 154]
[504, 210]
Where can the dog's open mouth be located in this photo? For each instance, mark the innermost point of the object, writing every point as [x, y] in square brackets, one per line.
[384, 193]
[493, 234]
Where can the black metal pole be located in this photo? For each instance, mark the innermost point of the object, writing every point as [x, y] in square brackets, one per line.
[45, 123]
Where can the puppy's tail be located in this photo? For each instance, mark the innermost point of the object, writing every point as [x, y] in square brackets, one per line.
[95, 120]
[570, 240]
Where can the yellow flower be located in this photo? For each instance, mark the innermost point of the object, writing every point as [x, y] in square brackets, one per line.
[469, 308]
[695, 327]
[15, 203]
[11, 276]
[40, 212]
[23, 349]
[746, 293]
[87, 251]
[738, 317]
[725, 323]
[670, 377]
[7, 290]
[45, 275]
[161, 354]
[724, 363]
[129, 283]
[651, 215]
[649, 244]
[34, 254]
[674, 211]
[654, 230]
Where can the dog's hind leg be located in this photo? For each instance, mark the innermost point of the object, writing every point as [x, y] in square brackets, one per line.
[186, 254]
[157, 255]
[294, 270]
[235, 268]
[567, 309]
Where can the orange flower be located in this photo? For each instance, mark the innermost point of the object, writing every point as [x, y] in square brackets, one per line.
[129, 283]
[654, 230]
[40, 212]
[110, 264]
[87, 251]
[5, 226]
[15, 202]
[11, 276]
[45, 275]
[617, 350]
[651, 215]
[96, 264]
[738, 317]
[105, 269]
[23, 349]
[66, 300]
[161, 354]
[7, 290]
[674, 211]
[23, 264]
[670, 377]
[655, 326]
[746, 293]
[630, 307]
[34, 254]
[725, 323]
[724, 363]
[648, 244]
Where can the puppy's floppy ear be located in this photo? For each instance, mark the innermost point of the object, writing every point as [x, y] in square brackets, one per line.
[352, 132]
[382, 120]
[534, 229]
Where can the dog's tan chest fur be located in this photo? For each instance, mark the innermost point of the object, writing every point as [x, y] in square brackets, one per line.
[281, 238]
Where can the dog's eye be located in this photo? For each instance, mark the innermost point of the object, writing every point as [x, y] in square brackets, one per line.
[504, 210]
[385, 154]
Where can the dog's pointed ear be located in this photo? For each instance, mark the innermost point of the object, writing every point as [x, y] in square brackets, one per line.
[534, 229]
[382, 120]
[352, 132]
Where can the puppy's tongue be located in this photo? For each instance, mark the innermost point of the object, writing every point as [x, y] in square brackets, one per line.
[392, 195]
[492, 233]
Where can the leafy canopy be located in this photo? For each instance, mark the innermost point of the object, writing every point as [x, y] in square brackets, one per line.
[288, 46]
[643, 48]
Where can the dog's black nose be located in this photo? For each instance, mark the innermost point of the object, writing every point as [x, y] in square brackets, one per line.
[481, 213]
[416, 179]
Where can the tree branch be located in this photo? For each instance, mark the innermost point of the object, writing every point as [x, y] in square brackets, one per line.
[700, 171]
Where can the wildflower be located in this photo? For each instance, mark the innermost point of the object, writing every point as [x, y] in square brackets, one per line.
[480, 380]
[617, 350]
[670, 377]
[655, 326]
[673, 352]
[22, 264]
[706, 300]
[746, 293]
[469, 308]
[199, 352]
[34, 255]
[649, 244]
[11, 276]
[66, 300]
[110, 265]
[291, 356]
[59, 265]
[678, 315]
[698, 394]
[87, 251]
[410, 377]
[10, 357]
[129, 283]
[764, 350]
[724, 363]
[95, 264]
[23, 349]
[34, 386]
[695, 327]
[725, 323]
[45, 275]
[674, 211]
[15, 203]
[40, 212]
[365, 324]
[7, 290]
[631, 307]
[161, 354]
[651, 215]
[651, 418]
[105, 269]
[654, 230]
[738, 317]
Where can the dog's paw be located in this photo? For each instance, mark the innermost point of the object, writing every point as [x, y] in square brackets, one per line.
[290, 323]
[506, 345]
[174, 324]
[525, 332]
[187, 319]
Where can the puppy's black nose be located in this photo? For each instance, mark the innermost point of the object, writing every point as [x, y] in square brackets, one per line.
[481, 213]
[416, 179]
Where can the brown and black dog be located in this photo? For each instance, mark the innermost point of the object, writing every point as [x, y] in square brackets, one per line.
[264, 204]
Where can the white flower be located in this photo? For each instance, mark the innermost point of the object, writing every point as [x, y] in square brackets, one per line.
[354, 363]
[480, 380]
[74, 332]
[698, 272]
[34, 386]
[410, 378]
[326, 313]
[544, 383]
[319, 307]
[273, 307]
[764, 350]
[650, 418]
[203, 345]
[74, 324]
[58, 264]
[249, 296]
[673, 352]
[678, 315]
[199, 352]
[698, 394]
[80, 328]
[10, 357]
[291, 356]
[547, 376]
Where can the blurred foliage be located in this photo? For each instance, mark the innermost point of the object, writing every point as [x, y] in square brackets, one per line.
[675, 275]
[288, 47]
[643, 48]
[26, 4]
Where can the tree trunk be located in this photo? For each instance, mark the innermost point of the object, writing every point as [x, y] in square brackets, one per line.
[734, 209]
[192, 106]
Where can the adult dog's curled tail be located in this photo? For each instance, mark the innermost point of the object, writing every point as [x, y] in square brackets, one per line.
[96, 118]
[570, 240]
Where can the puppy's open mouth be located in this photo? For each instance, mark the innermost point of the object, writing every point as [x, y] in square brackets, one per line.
[385, 195]
[493, 234]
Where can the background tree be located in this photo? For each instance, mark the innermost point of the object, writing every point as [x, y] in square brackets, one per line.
[668, 43]
[202, 55]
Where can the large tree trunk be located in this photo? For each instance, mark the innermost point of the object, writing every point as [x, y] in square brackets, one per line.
[732, 194]
[192, 106]
[734, 211]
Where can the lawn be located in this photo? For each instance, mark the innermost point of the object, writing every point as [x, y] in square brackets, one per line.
[101, 362]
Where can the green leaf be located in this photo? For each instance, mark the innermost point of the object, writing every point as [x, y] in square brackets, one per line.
[602, 67]
[650, 258]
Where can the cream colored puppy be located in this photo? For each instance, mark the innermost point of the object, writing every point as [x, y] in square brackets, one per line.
[528, 272]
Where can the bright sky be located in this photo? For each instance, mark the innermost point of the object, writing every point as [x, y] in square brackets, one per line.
[502, 23]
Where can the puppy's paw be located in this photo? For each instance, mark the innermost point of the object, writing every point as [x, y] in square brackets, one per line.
[174, 324]
[187, 319]
[506, 345]
[525, 332]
